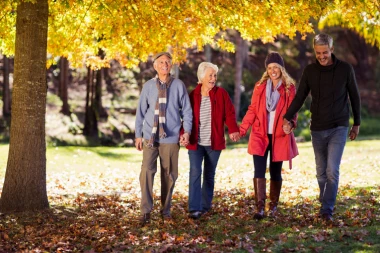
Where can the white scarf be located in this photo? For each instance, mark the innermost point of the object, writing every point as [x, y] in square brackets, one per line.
[272, 97]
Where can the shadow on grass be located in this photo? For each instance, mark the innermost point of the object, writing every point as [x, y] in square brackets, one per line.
[109, 223]
[113, 155]
[117, 154]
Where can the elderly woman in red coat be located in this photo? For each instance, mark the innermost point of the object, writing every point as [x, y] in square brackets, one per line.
[271, 98]
[212, 110]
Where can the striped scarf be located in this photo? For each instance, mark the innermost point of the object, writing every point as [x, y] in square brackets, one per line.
[160, 111]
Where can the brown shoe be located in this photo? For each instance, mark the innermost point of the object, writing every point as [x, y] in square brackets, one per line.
[144, 219]
[274, 196]
[260, 196]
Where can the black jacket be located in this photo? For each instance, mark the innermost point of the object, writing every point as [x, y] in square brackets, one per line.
[330, 87]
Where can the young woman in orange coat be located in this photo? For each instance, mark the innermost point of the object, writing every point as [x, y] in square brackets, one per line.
[271, 98]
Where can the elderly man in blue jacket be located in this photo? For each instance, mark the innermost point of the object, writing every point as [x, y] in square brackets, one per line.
[164, 107]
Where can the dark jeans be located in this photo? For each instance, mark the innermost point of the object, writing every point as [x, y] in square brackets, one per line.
[328, 148]
[260, 163]
[200, 197]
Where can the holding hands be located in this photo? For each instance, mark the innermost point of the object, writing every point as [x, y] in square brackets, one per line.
[287, 126]
[235, 136]
[184, 139]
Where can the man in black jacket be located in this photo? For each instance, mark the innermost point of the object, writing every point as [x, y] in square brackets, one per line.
[331, 82]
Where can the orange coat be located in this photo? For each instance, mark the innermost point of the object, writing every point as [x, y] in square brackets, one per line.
[284, 145]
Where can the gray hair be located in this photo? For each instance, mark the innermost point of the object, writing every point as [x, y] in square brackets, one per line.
[202, 69]
[323, 39]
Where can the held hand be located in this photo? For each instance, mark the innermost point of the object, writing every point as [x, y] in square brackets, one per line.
[287, 126]
[139, 144]
[242, 133]
[184, 139]
[235, 136]
[354, 132]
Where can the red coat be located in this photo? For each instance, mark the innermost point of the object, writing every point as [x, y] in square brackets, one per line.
[283, 146]
[222, 112]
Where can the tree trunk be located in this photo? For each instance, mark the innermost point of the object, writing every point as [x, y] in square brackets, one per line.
[6, 90]
[208, 52]
[301, 58]
[98, 94]
[108, 81]
[90, 121]
[359, 49]
[25, 179]
[176, 71]
[63, 84]
[239, 60]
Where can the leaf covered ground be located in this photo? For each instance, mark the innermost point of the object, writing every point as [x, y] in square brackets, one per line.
[94, 197]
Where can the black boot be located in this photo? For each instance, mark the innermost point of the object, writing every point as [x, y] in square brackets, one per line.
[274, 196]
[144, 219]
[260, 196]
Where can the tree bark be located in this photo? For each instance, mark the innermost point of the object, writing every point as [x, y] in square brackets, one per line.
[90, 122]
[25, 179]
[239, 60]
[301, 58]
[6, 90]
[63, 84]
[108, 81]
[98, 94]
[359, 49]
[208, 52]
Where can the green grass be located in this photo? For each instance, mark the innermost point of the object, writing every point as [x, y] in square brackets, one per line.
[94, 197]
[82, 159]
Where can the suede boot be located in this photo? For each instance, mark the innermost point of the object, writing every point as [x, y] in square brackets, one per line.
[274, 196]
[260, 196]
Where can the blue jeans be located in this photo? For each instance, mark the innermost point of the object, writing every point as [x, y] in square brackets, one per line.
[200, 197]
[328, 148]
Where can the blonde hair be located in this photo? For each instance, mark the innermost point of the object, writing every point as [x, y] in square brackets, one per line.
[202, 69]
[286, 78]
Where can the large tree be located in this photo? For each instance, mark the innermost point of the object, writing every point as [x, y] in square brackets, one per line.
[25, 178]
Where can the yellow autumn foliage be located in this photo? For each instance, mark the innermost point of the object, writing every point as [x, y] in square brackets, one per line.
[131, 30]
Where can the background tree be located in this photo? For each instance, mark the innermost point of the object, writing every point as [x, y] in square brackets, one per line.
[101, 112]
[240, 55]
[91, 113]
[6, 88]
[63, 85]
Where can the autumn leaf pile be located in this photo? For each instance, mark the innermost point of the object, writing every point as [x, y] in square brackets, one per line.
[95, 205]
